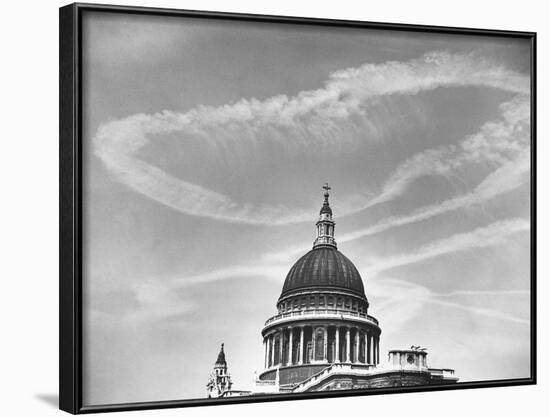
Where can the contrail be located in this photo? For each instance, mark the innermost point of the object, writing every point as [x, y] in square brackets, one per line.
[316, 119]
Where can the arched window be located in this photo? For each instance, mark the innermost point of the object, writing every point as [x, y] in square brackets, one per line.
[286, 352]
[331, 346]
[277, 358]
[319, 344]
[309, 352]
[296, 347]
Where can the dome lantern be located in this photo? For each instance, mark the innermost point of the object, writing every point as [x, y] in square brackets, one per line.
[325, 224]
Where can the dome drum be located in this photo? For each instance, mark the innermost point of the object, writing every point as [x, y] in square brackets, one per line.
[322, 299]
[308, 345]
[328, 318]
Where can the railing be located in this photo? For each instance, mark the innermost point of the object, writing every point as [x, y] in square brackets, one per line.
[347, 368]
[315, 377]
[333, 368]
[328, 312]
[442, 372]
[267, 382]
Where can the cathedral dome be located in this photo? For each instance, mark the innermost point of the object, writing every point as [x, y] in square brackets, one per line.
[323, 267]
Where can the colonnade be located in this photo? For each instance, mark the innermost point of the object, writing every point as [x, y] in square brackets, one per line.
[304, 344]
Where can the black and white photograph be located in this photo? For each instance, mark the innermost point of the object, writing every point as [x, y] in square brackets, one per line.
[273, 208]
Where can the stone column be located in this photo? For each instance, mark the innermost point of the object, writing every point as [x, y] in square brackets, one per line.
[366, 354]
[356, 358]
[290, 346]
[301, 356]
[281, 340]
[273, 349]
[376, 349]
[373, 349]
[265, 351]
[369, 350]
[325, 346]
[347, 345]
[313, 347]
[337, 347]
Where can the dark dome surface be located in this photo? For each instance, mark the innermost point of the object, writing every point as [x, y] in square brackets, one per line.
[323, 267]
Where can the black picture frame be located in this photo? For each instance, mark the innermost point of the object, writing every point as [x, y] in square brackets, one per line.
[70, 206]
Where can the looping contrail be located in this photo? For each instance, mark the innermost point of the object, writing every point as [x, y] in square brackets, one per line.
[321, 117]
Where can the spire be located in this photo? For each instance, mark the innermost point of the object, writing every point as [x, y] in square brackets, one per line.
[221, 357]
[220, 380]
[325, 224]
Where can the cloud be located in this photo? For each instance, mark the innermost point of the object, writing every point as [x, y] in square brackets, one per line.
[504, 179]
[156, 303]
[158, 300]
[399, 301]
[326, 117]
[482, 293]
[242, 271]
[507, 177]
[497, 141]
[491, 235]
[481, 311]
[482, 237]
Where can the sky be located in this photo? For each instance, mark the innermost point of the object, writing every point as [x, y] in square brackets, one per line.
[206, 144]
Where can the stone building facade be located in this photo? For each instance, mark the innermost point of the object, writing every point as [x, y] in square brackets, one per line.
[323, 337]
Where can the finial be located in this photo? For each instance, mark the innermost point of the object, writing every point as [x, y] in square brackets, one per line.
[222, 346]
[326, 188]
[326, 207]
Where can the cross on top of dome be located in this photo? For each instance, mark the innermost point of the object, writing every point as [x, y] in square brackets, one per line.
[326, 207]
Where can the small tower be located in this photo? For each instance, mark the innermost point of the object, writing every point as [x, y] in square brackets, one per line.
[220, 380]
[325, 224]
[413, 358]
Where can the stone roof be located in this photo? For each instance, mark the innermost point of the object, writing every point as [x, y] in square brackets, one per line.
[323, 267]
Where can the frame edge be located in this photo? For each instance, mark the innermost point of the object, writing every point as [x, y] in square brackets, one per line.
[70, 203]
[69, 382]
